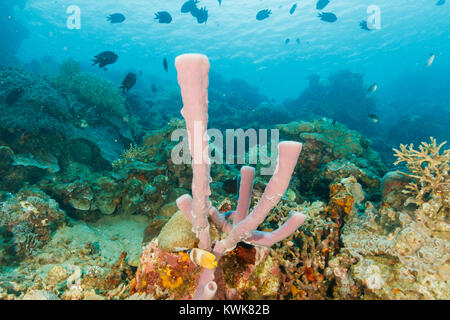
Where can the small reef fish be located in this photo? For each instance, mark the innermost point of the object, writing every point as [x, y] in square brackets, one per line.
[373, 117]
[105, 58]
[116, 18]
[154, 88]
[203, 258]
[188, 6]
[327, 16]
[200, 14]
[297, 40]
[294, 6]
[440, 2]
[13, 96]
[263, 14]
[165, 65]
[430, 60]
[372, 88]
[322, 4]
[287, 41]
[163, 17]
[128, 82]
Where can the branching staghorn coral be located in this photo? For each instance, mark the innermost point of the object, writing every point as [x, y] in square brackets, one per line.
[430, 169]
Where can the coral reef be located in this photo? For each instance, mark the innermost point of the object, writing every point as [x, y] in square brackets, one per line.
[332, 152]
[92, 205]
[27, 220]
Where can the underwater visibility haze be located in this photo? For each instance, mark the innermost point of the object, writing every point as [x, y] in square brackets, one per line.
[95, 203]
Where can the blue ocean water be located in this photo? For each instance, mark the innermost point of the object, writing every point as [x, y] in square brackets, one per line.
[240, 46]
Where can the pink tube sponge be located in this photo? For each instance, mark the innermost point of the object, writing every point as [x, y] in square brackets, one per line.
[193, 80]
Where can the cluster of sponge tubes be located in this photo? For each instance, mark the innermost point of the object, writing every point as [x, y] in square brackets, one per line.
[193, 80]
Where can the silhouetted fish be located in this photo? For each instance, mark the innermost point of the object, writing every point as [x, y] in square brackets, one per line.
[163, 17]
[297, 40]
[13, 96]
[293, 8]
[165, 65]
[188, 6]
[116, 18]
[322, 4]
[440, 2]
[263, 14]
[373, 117]
[128, 82]
[154, 88]
[287, 40]
[327, 16]
[105, 58]
[200, 14]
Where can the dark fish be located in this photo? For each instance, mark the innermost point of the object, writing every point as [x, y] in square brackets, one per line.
[440, 2]
[327, 16]
[188, 6]
[165, 65]
[105, 58]
[200, 14]
[163, 17]
[322, 4]
[116, 18]
[141, 72]
[334, 122]
[263, 14]
[154, 88]
[128, 82]
[373, 117]
[13, 96]
[287, 41]
[297, 40]
[363, 25]
[293, 8]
